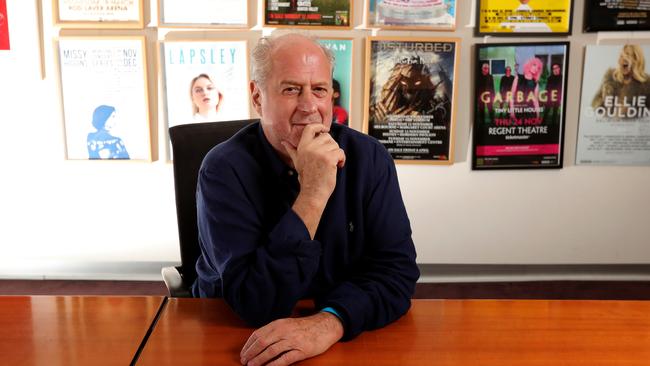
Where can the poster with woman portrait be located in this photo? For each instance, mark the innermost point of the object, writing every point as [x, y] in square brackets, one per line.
[203, 13]
[341, 77]
[524, 17]
[519, 105]
[615, 106]
[617, 15]
[334, 14]
[205, 81]
[416, 15]
[98, 13]
[410, 97]
[105, 100]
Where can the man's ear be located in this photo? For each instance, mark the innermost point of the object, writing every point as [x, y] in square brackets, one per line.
[256, 97]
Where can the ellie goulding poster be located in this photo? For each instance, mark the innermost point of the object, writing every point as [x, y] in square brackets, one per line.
[615, 106]
[519, 105]
[410, 90]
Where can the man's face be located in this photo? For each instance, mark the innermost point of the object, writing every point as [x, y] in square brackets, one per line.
[297, 92]
[485, 69]
[508, 71]
[556, 70]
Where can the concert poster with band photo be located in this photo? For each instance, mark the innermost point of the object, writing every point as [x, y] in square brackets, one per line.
[617, 15]
[524, 17]
[615, 106]
[335, 14]
[519, 109]
[410, 96]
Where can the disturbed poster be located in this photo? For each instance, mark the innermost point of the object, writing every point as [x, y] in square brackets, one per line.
[615, 107]
[519, 105]
[410, 96]
[311, 13]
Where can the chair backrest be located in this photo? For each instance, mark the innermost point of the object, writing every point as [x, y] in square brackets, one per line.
[190, 143]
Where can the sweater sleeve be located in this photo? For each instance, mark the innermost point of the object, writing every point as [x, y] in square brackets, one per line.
[379, 289]
[262, 271]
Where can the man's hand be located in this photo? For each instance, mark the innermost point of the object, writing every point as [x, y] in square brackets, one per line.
[285, 341]
[316, 159]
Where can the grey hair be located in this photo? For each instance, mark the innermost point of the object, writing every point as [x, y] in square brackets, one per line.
[262, 63]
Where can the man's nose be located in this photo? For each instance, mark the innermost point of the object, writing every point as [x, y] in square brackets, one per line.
[307, 103]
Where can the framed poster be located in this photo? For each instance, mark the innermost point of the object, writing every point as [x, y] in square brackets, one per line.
[335, 14]
[105, 101]
[519, 105]
[98, 13]
[524, 17]
[617, 15]
[203, 13]
[410, 96]
[615, 106]
[205, 81]
[4, 26]
[416, 15]
[341, 77]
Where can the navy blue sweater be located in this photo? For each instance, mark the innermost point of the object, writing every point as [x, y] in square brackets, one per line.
[257, 253]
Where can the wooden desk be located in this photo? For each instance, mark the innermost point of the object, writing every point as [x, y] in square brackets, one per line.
[73, 330]
[434, 332]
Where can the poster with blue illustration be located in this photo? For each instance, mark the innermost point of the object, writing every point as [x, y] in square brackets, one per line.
[105, 98]
[412, 14]
[341, 77]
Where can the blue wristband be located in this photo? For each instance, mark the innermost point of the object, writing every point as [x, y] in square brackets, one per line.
[331, 310]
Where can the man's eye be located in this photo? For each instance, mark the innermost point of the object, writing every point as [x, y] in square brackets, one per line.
[320, 91]
[291, 90]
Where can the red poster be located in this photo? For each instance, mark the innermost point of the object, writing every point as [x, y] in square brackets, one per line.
[4, 26]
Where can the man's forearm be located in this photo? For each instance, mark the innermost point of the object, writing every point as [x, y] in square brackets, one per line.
[310, 211]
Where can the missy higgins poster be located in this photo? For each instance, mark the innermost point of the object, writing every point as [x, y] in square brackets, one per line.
[518, 17]
[310, 13]
[615, 106]
[205, 81]
[4, 26]
[109, 11]
[341, 77]
[105, 103]
[204, 12]
[617, 15]
[410, 97]
[400, 14]
[519, 105]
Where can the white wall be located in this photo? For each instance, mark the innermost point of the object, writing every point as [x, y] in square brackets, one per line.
[89, 219]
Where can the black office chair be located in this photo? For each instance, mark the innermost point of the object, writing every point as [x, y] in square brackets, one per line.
[190, 143]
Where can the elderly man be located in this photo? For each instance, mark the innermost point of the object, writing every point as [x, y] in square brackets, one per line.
[295, 207]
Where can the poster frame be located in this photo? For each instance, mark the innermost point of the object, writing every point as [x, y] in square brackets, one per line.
[415, 27]
[163, 80]
[163, 24]
[475, 137]
[613, 129]
[479, 33]
[589, 27]
[146, 107]
[351, 74]
[265, 23]
[454, 99]
[97, 23]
